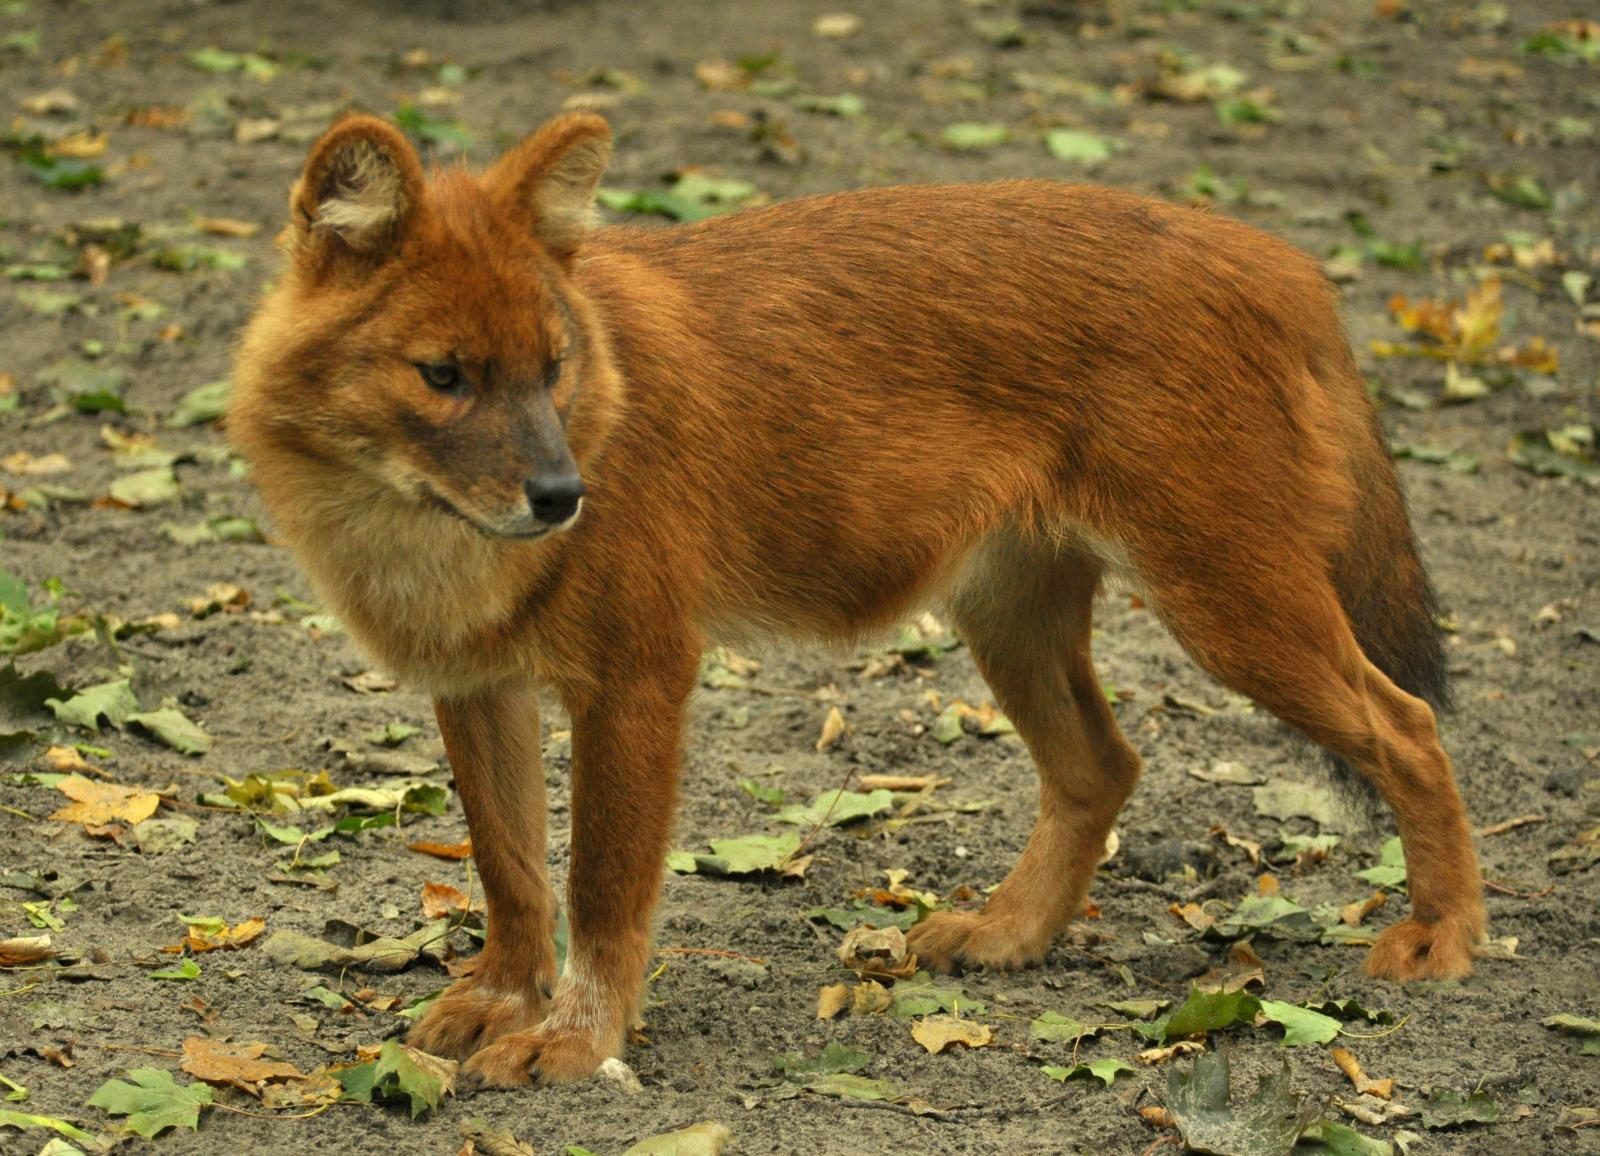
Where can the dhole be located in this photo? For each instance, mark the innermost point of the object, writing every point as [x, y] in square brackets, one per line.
[513, 449]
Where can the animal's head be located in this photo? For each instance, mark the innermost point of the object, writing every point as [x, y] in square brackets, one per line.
[427, 336]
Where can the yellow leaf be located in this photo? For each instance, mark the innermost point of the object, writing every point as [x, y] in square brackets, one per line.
[96, 804]
[940, 1032]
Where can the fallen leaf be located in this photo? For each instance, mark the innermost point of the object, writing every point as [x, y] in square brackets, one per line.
[745, 855]
[874, 951]
[1300, 1025]
[1449, 1109]
[153, 1101]
[237, 1065]
[172, 727]
[112, 701]
[837, 807]
[1351, 1067]
[102, 803]
[705, 1139]
[440, 900]
[398, 1071]
[443, 850]
[834, 1058]
[939, 1033]
[25, 949]
[1212, 1118]
[24, 464]
[1106, 1071]
[833, 729]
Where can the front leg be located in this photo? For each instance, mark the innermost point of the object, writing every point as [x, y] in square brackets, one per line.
[626, 743]
[492, 738]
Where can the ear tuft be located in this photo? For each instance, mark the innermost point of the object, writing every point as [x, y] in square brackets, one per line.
[550, 179]
[359, 185]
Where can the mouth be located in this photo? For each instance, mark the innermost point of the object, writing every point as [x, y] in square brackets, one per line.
[439, 502]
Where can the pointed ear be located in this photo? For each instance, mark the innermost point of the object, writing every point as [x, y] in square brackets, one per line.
[361, 184]
[549, 179]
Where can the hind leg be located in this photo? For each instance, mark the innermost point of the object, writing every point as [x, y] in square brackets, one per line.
[1278, 634]
[1025, 616]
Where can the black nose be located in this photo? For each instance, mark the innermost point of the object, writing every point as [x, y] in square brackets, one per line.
[554, 499]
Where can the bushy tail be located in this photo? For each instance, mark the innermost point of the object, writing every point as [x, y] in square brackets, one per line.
[1383, 587]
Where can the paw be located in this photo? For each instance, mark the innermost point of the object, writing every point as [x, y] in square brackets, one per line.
[950, 941]
[469, 1015]
[1413, 949]
[542, 1055]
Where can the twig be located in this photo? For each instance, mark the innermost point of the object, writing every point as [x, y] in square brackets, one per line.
[1512, 824]
[1502, 889]
[270, 1115]
[709, 951]
[168, 1052]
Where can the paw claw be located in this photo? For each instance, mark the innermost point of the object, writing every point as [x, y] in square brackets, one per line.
[952, 941]
[1414, 949]
[468, 1016]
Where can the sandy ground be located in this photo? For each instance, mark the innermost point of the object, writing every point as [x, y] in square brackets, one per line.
[1388, 133]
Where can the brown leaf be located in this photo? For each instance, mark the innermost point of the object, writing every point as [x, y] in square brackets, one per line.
[833, 1000]
[24, 464]
[443, 850]
[227, 226]
[939, 1033]
[719, 75]
[99, 804]
[832, 730]
[370, 682]
[25, 949]
[237, 1065]
[1383, 1089]
[1162, 1055]
[220, 596]
[901, 783]
[228, 939]
[311, 1091]
[1354, 914]
[877, 951]
[441, 899]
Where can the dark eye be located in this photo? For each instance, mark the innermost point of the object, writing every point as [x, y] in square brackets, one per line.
[552, 372]
[443, 376]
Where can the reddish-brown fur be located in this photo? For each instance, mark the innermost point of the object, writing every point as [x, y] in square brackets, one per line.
[809, 419]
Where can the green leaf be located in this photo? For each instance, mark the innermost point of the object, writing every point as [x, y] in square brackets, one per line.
[835, 1057]
[186, 969]
[947, 727]
[1105, 1071]
[216, 60]
[742, 856]
[1391, 869]
[1056, 1027]
[1084, 148]
[146, 488]
[1271, 915]
[173, 727]
[68, 173]
[1138, 1009]
[1578, 1026]
[391, 734]
[1213, 1119]
[966, 136]
[1558, 453]
[846, 104]
[187, 256]
[432, 130]
[837, 807]
[10, 1118]
[852, 1087]
[112, 701]
[922, 995]
[204, 403]
[1300, 1025]
[693, 197]
[698, 1140]
[153, 1102]
[392, 1075]
[771, 796]
[1209, 1011]
[1341, 1140]
[1447, 1109]
[88, 386]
